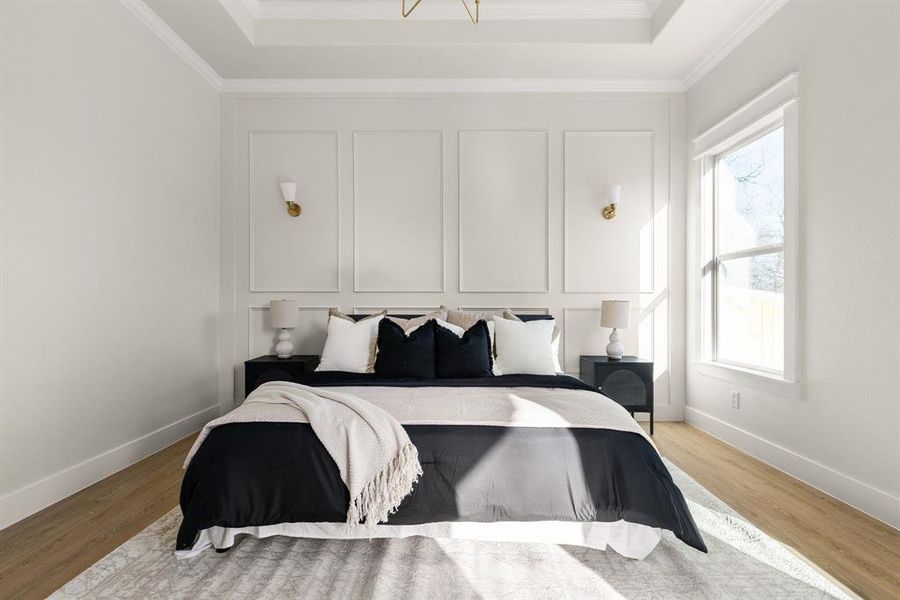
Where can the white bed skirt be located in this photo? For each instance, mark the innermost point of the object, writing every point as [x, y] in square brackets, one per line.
[628, 539]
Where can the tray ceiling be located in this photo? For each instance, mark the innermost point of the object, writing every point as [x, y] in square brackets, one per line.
[619, 40]
[449, 9]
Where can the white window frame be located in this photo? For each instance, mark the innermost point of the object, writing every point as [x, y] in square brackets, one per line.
[776, 107]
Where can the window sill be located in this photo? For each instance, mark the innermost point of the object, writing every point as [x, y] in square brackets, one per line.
[758, 380]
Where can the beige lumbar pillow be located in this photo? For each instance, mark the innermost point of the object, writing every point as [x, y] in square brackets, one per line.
[466, 320]
[410, 325]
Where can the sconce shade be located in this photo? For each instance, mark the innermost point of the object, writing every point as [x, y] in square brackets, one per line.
[615, 313]
[615, 194]
[289, 191]
[283, 314]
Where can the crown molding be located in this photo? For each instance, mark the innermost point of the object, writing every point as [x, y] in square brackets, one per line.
[171, 39]
[759, 16]
[451, 86]
[499, 10]
[389, 86]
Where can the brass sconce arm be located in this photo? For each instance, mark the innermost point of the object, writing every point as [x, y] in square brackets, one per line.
[609, 212]
[293, 209]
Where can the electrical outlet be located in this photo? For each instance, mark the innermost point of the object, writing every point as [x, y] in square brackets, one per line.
[735, 400]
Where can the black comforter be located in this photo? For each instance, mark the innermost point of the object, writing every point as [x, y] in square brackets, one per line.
[251, 474]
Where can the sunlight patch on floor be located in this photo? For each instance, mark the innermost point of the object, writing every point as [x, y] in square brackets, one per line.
[744, 537]
[499, 583]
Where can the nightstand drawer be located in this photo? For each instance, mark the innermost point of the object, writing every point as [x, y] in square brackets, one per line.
[627, 388]
[628, 382]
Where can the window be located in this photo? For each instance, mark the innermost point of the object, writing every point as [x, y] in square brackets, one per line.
[748, 258]
[747, 241]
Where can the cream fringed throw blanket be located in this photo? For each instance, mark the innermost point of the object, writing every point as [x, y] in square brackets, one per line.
[377, 462]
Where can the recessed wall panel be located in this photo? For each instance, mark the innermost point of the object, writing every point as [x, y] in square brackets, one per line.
[497, 310]
[582, 334]
[503, 211]
[308, 337]
[294, 254]
[613, 255]
[394, 310]
[399, 214]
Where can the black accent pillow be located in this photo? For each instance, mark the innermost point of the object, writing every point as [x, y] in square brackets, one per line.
[401, 355]
[466, 356]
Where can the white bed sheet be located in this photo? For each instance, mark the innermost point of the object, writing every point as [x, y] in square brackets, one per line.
[628, 539]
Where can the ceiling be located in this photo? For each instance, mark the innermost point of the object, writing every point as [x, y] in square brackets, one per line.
[448, 9]
[610, 40]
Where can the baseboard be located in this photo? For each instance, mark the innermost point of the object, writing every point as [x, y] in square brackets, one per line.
[874, 502]
[663, 412]
[27, 500]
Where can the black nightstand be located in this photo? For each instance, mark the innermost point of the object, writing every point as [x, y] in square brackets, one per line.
[263, 369]
[628, 381]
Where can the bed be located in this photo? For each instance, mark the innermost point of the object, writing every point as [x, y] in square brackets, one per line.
[525, 458]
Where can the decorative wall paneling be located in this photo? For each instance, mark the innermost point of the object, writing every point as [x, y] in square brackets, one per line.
[398, 218]
[617, 255]
[294, 254]
[477, 202]
[504, 211]
[518, 310]
[308, 337]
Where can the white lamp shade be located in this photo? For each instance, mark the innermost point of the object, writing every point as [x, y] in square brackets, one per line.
[615, 313]
[289, 191]
[283, 314]
[615, 194]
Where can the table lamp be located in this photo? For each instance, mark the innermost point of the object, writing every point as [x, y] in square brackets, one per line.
[283, 315]
[615, 314]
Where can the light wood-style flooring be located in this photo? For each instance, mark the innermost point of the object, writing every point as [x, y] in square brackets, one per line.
[44, 551]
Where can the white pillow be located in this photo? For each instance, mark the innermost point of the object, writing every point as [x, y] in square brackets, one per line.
[524, 348]
[554, 342]
[350, 346]
[554, 346]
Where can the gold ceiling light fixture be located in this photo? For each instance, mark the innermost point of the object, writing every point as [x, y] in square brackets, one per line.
[473, 16]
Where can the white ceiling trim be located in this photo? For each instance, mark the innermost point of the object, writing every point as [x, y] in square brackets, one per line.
[378, 86]
[171, 39]
[759, 16]
[451, 86]
[242, 16]
[496, 9]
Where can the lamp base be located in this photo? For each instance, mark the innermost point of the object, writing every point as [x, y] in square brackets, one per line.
[284, 348]
[615, 350]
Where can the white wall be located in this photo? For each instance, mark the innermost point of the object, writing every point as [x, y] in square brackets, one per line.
[473, 201]
[109, 223]
[840, 432]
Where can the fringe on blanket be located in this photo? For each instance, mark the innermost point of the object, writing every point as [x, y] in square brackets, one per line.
[382, 496]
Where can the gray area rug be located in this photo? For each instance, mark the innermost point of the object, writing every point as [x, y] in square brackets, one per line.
[742, 562]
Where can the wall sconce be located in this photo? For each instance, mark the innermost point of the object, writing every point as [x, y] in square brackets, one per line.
[289, 193]
[615, 195]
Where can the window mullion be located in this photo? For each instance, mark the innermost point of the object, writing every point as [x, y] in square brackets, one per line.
[714, 281]
[757, 251]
